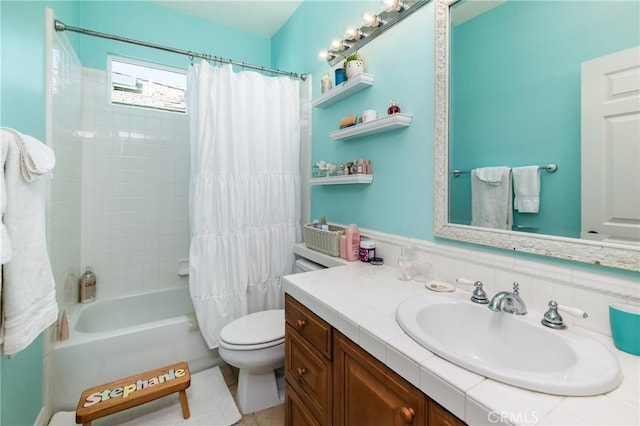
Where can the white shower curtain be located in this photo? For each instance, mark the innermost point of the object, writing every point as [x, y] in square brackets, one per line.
[244, 197]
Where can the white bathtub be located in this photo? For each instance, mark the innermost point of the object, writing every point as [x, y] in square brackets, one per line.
[114, 338]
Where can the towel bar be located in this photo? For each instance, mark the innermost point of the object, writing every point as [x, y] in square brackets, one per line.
[551, 168]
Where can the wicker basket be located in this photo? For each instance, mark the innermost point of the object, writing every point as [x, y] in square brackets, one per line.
[327, 242]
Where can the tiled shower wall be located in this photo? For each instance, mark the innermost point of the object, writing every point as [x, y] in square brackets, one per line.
[135, 190]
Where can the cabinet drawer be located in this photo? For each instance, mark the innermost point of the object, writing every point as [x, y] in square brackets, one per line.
[295, 411]
[309, 325]
[309, 373]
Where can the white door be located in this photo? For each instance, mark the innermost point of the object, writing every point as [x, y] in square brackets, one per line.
[611, 147]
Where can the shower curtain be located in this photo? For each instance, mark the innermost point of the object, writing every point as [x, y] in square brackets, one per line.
[244, 195]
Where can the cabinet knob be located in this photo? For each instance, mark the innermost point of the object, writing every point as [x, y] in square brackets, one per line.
[407, 414]
[301, 371]
[300, 323]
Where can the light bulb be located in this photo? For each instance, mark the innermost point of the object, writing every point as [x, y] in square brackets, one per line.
[326, 55]
[337, 45]
[353, 33]
[372, 20]
[393, 5]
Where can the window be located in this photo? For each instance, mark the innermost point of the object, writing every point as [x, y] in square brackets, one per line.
[147, 85]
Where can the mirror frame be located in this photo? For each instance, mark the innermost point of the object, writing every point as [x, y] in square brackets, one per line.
[594, 252]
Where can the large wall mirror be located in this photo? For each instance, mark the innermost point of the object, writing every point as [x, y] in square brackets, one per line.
[522, 84]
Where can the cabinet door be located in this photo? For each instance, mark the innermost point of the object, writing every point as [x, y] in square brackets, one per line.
[439, 416]
[366, 392]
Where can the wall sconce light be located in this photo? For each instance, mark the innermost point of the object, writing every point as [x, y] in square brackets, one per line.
[372, 20]
[353, 33]
[393, 5]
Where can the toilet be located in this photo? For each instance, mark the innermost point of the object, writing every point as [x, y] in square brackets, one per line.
[255, 344]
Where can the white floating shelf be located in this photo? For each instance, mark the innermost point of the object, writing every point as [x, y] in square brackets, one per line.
[349, 87]
[383, 124]
[340, 180]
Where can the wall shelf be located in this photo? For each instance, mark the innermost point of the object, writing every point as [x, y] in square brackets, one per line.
[348, 88]
[341, 180]
[383, 124]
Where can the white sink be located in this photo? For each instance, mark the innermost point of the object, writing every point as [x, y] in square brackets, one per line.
[516, 350]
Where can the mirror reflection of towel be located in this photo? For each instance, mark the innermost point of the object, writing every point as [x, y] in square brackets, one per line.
[491, 205]
[526, 187]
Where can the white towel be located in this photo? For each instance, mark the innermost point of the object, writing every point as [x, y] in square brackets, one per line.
[28, 294]
[526, 187]
[5, 242]
[491, 205]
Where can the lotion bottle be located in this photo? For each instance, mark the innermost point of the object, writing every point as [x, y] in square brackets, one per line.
[353, 242]
[64, 327]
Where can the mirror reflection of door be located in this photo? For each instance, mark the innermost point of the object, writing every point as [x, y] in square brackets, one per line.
[611, 147]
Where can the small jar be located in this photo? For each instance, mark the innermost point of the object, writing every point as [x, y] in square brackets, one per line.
[367, 250]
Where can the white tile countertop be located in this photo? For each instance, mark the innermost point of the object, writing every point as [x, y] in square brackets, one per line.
[360, 300]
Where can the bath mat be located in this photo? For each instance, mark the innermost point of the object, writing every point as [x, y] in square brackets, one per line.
[210, 404]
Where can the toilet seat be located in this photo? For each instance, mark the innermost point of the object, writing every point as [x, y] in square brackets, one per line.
[258, 330]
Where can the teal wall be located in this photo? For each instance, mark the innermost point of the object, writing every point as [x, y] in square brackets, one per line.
[22, 105]
[399, 200]
[516, 96]
[145, 21]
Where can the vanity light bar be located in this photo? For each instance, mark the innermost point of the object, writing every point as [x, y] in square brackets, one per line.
[354, 37]
[551, 168]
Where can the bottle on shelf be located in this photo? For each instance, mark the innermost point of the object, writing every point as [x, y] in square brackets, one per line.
[394, 108]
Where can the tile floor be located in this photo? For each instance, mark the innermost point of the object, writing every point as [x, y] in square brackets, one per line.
[270, 417]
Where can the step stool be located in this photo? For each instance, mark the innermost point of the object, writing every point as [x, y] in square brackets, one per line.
[116, 396]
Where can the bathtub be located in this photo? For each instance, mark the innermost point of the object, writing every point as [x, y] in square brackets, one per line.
[113, 338]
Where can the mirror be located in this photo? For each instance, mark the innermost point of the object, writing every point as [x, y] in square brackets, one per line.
[487, 119]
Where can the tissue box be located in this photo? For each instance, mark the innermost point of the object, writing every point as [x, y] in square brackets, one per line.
[625, 327]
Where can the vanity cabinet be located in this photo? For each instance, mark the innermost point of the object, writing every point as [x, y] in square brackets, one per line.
[330, 380]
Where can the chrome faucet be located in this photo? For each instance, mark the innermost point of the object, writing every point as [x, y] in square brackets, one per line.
[509, 302]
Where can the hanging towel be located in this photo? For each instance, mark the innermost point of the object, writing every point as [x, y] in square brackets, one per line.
[491, 205]
[28, 294]
[5, 242]
[526, 187]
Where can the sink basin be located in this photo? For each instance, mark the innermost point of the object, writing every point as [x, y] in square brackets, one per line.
[516, 350]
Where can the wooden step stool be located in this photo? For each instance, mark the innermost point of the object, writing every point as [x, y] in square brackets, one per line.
[116, 396]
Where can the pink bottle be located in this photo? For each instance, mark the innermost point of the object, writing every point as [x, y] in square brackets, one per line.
[353, 242]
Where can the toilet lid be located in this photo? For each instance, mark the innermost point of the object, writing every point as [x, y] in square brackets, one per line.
[256, 328]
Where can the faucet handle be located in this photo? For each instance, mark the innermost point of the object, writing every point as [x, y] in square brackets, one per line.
[516, 287]
[579, 313]
[478, 295]
[553, 319]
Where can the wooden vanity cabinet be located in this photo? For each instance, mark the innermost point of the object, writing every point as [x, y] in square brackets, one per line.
[330, 380]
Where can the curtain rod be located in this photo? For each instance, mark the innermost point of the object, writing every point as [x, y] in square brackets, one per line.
[59, 26]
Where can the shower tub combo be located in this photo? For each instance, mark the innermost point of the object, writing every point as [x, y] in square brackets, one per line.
[114, 338]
